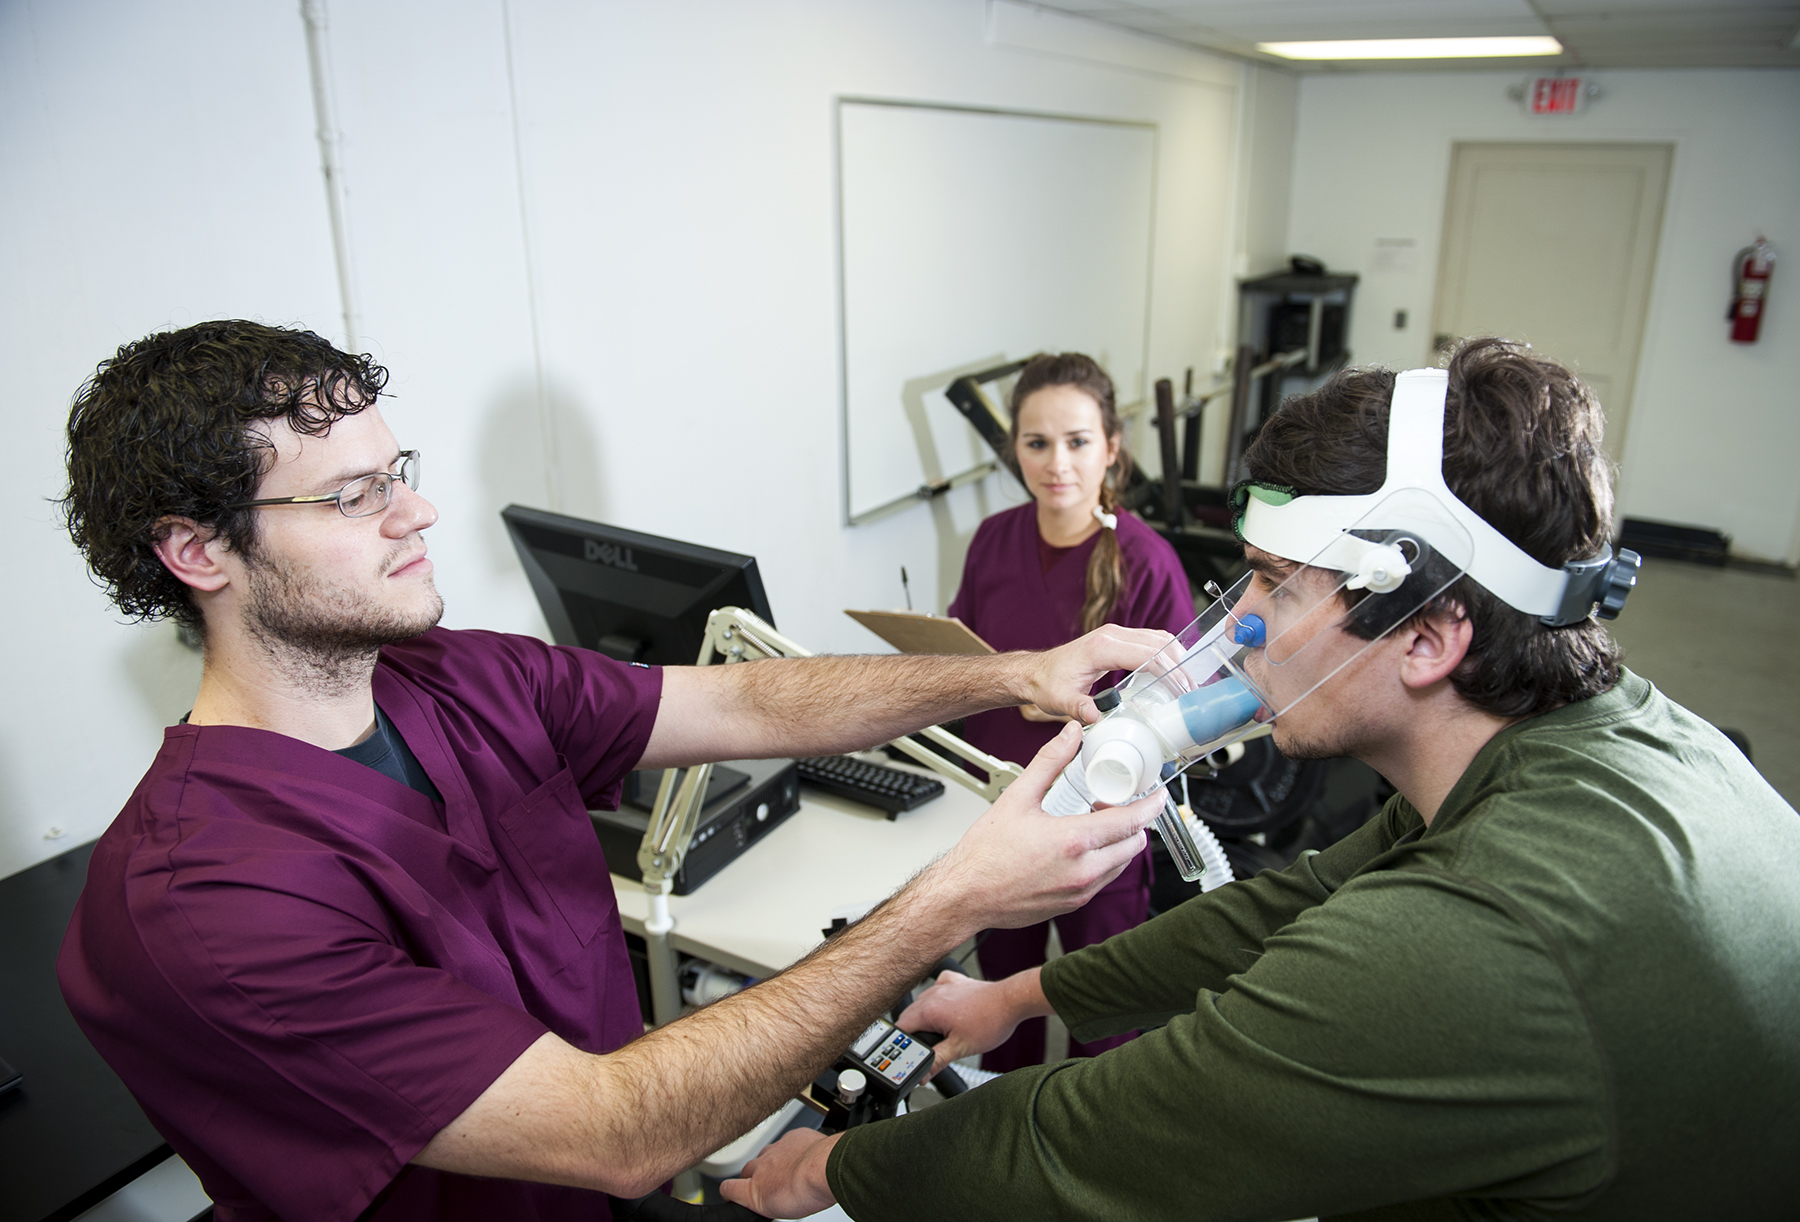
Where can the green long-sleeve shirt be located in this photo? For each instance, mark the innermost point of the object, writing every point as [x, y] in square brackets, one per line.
[1577, 991]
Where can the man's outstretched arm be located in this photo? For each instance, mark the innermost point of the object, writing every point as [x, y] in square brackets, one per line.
[627, 1120]
[820, 706]
[1377, 1053]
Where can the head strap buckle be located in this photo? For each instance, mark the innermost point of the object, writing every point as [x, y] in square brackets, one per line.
[1597, 586]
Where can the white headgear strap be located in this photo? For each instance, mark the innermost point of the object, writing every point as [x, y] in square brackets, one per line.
[1313, 529]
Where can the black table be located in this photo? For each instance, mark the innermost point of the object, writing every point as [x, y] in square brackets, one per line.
[70, 1135]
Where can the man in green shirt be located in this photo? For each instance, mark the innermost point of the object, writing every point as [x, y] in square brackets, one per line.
[1558, 974]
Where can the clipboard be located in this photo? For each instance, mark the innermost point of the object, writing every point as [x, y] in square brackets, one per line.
[916, 632]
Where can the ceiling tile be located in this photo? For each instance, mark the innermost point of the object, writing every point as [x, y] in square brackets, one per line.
[1671, 29]
[1289, 20]
[1090, 6]
[1238, 11]
[1690, 57]
[1599, 33]
[1553, 8]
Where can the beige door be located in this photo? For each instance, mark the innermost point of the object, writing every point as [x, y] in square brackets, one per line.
[1555, 244]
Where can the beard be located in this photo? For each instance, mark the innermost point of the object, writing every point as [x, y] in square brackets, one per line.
[327, 636]
[1293, 737]
[1314, 746]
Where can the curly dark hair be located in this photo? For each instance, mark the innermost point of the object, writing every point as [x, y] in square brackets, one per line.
[1522, 449]
[166, 429]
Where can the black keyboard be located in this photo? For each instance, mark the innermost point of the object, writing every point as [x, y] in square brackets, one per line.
[890, 789]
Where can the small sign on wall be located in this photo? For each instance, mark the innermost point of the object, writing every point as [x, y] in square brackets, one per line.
[1554, 95]
[1395, 255]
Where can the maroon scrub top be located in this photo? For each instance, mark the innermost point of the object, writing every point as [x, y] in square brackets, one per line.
[303, 969]
[1011, 603]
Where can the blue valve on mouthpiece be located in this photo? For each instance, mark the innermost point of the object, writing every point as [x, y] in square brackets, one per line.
[1250, 631]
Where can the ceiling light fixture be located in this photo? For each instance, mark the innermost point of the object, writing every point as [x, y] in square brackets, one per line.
[1415, 48]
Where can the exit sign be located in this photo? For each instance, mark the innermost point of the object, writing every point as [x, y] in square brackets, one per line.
[1555, 95]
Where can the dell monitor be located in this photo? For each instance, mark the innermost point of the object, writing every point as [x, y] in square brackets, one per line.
[630, 596]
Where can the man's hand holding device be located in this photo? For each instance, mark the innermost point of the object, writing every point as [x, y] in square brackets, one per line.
[1015, 866]
[1061, 678]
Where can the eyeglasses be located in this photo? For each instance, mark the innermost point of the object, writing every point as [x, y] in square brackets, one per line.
[361, 497]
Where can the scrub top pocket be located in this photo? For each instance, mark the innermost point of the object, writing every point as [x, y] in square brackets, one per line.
[552, 836]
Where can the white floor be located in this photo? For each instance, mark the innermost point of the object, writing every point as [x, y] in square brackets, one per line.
[1725, 643]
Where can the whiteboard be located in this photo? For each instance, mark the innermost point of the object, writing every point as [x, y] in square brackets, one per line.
[969, 238]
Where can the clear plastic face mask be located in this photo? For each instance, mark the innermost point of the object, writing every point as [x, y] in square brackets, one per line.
[1260, 649]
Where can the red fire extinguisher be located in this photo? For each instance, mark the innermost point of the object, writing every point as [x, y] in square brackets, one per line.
[1750, 272]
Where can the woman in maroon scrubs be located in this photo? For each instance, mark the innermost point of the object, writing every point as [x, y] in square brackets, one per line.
[1042, 574]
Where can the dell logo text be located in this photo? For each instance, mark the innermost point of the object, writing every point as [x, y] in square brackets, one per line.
[610, 553]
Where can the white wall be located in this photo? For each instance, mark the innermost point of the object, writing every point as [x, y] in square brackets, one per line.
[1268, 112]
[1713, 437]
[594, 243]
[157, 167]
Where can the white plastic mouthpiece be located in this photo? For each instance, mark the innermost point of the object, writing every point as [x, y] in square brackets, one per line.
[1123, 759]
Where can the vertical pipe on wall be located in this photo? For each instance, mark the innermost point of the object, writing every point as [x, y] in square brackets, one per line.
[1236, 261]
[546, 419]
[331, 142]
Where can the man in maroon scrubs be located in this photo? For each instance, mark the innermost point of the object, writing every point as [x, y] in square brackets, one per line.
[350, 942]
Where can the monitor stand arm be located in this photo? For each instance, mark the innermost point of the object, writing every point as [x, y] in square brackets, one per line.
[736, 635]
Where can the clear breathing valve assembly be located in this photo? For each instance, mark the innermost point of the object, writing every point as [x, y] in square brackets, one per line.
[1188, 702]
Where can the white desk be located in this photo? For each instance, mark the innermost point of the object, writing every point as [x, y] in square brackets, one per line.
[768, 908]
